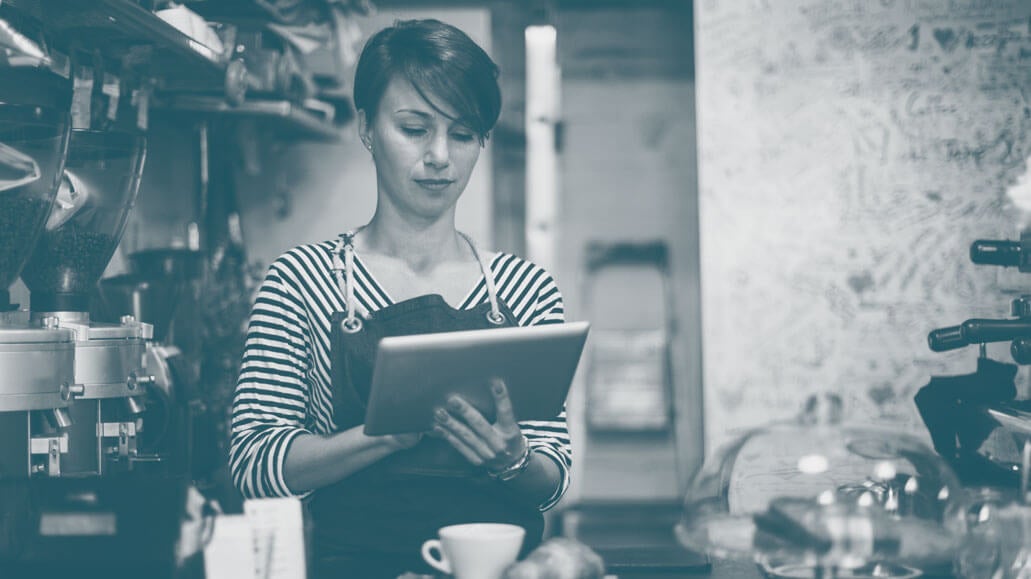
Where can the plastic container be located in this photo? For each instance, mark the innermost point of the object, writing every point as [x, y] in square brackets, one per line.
[98, 188]
[33, 142]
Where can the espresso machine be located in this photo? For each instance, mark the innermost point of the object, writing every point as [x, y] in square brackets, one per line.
[37, 373]
[981, 426]
[977, 422]
[97, 189]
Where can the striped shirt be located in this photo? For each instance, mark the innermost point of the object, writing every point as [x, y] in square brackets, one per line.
[284, 388]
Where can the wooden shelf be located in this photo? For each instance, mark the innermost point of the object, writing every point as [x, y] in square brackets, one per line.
[287, 118]
[191, 77]
[265, 11]
[234, 11]
[115, 26]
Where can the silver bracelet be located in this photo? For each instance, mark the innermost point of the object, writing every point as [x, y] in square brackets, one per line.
[515, 469]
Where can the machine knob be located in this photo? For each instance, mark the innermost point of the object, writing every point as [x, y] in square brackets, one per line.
[51, 322]
[128, 319]
[71, 391]
[945, 339]
[135, 381]
[1020, 349]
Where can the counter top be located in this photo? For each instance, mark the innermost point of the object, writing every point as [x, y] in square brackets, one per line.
[718, 569]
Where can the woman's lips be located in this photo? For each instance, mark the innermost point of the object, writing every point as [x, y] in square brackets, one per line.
[434, 184]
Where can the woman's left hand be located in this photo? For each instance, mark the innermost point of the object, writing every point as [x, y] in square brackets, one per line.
[493, 446]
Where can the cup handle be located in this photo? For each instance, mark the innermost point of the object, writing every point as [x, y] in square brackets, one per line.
[440, 564]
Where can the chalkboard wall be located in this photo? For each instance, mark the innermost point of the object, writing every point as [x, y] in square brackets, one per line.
[849, 152]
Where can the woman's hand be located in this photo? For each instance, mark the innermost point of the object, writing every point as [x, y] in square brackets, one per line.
[494, 446]
[404, 441]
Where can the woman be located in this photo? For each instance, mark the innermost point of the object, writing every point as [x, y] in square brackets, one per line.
[427, 97]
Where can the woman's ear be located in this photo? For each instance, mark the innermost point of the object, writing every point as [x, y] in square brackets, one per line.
[363, 129]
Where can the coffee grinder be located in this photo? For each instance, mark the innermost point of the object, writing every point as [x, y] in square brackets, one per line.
[37, 377]
[97, 189]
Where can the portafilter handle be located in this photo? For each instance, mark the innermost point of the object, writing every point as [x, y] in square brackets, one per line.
[993, 252]
[981, 330]
[1003, 253]
[978, 331]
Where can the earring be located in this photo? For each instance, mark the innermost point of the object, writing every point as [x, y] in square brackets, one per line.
[368, 145]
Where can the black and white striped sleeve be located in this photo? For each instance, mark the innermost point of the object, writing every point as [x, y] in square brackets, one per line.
[550, 437]
[271, 398]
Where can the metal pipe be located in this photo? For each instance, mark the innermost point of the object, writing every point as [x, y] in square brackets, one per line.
[59, 418]
[136, 405]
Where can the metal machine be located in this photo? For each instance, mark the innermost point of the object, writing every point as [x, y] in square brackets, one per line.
[976, 420]
[98, 187]
[983, 430]
[161, 280]
[37, 360]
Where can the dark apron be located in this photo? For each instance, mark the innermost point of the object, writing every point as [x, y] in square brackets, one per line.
[373, 523]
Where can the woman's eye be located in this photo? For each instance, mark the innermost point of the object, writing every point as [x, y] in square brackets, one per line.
[464, 137]
[413, 131]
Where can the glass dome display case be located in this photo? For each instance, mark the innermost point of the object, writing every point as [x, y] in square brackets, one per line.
[998, 544]
[817, 497]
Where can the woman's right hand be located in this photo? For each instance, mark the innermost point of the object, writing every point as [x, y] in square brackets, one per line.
[315, 461]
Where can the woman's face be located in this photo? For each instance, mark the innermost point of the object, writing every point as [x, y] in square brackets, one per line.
[423, 158]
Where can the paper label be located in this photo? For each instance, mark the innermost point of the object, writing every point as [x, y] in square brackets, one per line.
[230, 552]
[278, 526]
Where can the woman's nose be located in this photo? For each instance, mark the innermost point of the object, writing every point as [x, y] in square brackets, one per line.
[437, 154]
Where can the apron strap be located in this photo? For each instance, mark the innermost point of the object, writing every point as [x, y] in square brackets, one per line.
[343, 271]
[494, 316]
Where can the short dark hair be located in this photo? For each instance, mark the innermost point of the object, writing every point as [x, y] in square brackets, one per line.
[440, 61]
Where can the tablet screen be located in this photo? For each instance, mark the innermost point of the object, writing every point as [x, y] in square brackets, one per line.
[415, 374]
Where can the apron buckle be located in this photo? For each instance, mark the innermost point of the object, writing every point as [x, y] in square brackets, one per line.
[351, 325]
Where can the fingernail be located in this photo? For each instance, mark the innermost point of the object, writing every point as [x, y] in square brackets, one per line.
[498, 387]
[454, 404]
[440, 414]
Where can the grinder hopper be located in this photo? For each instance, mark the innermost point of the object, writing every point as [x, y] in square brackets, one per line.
[34, 125]
[97, 190]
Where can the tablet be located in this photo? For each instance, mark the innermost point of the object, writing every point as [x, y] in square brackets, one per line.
[415, 374]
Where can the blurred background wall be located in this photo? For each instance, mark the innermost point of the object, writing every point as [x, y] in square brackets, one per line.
[849, 152]
[628, 174]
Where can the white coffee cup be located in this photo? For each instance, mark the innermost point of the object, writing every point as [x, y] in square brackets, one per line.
[474, 550]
